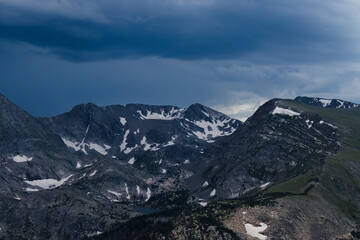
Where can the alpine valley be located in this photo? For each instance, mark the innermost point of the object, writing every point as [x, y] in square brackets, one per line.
[291, 171]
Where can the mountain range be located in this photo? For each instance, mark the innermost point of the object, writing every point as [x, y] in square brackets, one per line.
[135, 171]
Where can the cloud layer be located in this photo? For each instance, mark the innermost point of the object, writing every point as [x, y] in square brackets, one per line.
[267, 31]
[231, 54]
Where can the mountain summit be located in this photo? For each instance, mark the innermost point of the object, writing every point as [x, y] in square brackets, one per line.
[139, 171]
[327, 103]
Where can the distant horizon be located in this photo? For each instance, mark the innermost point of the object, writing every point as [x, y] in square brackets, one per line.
[223, 110]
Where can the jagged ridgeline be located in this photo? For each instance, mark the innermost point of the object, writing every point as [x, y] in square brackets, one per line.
[291, 171]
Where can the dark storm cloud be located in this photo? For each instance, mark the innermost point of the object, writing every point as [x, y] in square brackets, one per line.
[262, 30]
[230, 54]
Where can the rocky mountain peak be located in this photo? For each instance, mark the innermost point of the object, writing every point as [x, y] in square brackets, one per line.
[118, 162]
[19, 131]
[198, 112]
[326, 103]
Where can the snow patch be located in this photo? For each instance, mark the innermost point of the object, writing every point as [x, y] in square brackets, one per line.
[322, 122]
[213, 192]
[203, 204]
[21, 158]
[284, 111]
[264, 185]
[71, 144]
[31, 190]
[82, 176]
[95, 234]
[127, 192]
[93, 173]
[205, 184]
[77, 146]
[148, 194]
[171, 142]
[81, 146]
[138, 190]
[118, 195]
[205, 113]
[78, 165]
[325, 102]
[129, 149]
[48, 183]
[163, 170]
[341, 104]
[124, 143]
[211, 129]
[131, 161]
[309, 123]
[186, 161]
[255, 231]
[171, 115]
[149, 146]
[100, 149]
[122, 121]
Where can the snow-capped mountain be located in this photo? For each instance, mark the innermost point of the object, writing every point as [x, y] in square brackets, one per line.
[126, 131]
[289, 172]
[114, 155]
[275, 139]
[93, 169]
[326, 103]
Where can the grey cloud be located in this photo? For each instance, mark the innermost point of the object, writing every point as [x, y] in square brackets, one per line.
[232, 55]
[256, 31]
[45, 85]
[33, 12]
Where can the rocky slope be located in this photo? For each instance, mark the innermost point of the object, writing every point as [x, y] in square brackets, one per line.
[134, 132]
[92, 167]
[161, 172]
[318, 201]
[327, 103]
[275, 144]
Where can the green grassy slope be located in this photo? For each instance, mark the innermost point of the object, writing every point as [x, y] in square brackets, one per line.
[339, 179]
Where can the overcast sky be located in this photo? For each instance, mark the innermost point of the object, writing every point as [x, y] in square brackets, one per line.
[231, 54]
